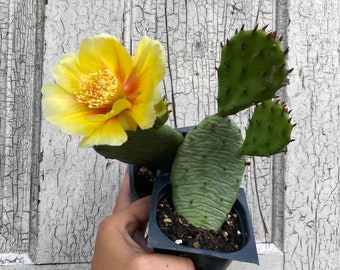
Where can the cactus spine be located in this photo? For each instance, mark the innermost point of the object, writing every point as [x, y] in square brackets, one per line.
[209, 165]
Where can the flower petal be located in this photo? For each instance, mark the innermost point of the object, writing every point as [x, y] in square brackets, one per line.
[68, 72]
[114, 55]
[119, 106]
[104, 51]
[148, 68]
[144, 114]
[110, 132]
[88, 57]
[62, 109]
[127, 121]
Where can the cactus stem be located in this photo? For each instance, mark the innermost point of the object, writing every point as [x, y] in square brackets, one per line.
[255, 28]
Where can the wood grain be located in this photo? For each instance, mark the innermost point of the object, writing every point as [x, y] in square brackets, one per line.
[21, 42]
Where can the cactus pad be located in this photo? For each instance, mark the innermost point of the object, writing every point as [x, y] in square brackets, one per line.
[207, 172]
[252, 69]
[141, 149]
[269, 130]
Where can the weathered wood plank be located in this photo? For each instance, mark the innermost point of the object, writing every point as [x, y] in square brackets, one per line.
[312, 208]
[21, 40]
[77, 186]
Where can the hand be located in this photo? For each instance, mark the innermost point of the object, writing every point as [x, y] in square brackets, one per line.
[120, 243]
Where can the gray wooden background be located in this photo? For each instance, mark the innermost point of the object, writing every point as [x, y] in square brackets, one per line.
[53, 195]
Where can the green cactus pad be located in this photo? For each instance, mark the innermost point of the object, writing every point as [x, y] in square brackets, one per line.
[252, 69]
[207, 172]
[269, 130]
[154, 148]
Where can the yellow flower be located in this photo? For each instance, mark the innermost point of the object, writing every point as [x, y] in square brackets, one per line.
[101, 91]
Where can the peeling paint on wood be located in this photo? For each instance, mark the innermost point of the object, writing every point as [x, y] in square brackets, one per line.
[312, 209]
[20, 81]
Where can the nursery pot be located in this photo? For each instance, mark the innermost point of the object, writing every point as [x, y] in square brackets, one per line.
[203, 259]
[135, 193]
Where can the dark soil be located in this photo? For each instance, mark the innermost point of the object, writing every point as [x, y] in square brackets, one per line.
[227, 239]
[145, 181]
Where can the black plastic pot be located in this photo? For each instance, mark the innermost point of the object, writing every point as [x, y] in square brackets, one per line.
[134, 193]
[203, 259]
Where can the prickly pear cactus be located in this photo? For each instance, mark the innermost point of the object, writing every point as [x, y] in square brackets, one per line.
[252, 69]
[209, 155]
[269, 130]
[141, 149]
[209, 165]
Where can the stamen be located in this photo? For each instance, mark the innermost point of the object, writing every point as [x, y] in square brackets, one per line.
[100, 89]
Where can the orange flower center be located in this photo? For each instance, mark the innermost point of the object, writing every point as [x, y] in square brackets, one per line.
[100, 89]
